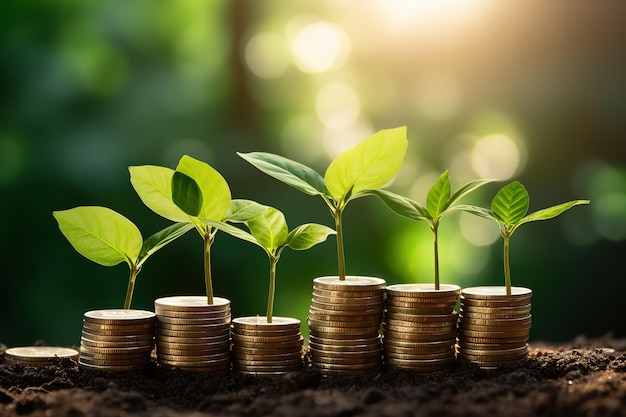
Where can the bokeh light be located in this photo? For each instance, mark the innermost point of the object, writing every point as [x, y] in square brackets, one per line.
[337, 106]
[496, 156]
[267, 55]
[317, 46]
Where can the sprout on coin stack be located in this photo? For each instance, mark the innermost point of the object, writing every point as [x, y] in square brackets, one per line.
[341, 317]
[495, 322]
[38, 356]
[116, 340]
[271, 345]
[420, 322]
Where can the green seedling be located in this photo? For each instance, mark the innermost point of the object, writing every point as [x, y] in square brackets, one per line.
[108, 238]
[508, 210]
[366, 166]
[439, 201]
[270, 232]
[155, 184]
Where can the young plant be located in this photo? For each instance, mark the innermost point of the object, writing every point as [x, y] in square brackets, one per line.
[108, 238]
[154, 185]
[508, 210]
[366, 166]
[438, 202]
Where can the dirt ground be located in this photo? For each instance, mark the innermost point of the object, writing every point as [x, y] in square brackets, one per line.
[581, 378]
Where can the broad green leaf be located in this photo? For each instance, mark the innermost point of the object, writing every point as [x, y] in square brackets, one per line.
[244, 210]
[370, 164]
[438, 197]
[215, 190]
[477, 211]
[550, 212]
[401, 205]
[100, 234]
[153, 184]
[234, 231]
[468, 188]
[186, 193]
[162, 238]
[308, 235]
[510, 203]
[269, 229]
[292, 173]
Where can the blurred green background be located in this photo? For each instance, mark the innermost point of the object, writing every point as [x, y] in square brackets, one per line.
[534, 91]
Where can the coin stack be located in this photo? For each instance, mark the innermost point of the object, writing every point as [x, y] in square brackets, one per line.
[263, 348]
[192, 334]
[116, 340]
[38, 356]
[419, 327]
[344, 323]
[493, 326]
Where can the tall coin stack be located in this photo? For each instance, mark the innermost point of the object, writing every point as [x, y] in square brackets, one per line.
[192, 334]
[494, 327]
[116, 340]
[344, 323]
[263, 348]
[420, 327]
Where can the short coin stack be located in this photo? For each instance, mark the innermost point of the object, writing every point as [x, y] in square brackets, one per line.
[263, 348]
[344, 323]
[192, 334]
[38, 355]
[116, 340]
[493, 326]
[419, 327]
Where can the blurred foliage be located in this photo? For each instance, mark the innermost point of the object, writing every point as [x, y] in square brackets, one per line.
[524, 90]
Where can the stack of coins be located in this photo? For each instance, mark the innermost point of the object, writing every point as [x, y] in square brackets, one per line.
[493, 326]
[344, 323]
[192, 334]
[263, 348]
[420, 327]
[38, 355]
[116, 340]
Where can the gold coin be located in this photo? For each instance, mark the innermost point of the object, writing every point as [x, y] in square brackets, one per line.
[420, 356]
[111, 368]
[260, 362]
[121, 329]
[93, 349]
[349, 371]
[260, 322]
[496, 292]
[418, 330]
[160, 339]
[205, 365]
[295, 354]
[484, 329]
[348, 367]
[363, 308]
[340, 340]
[173, 347]
[214, 323]
[418, 351]
[39, 353]
[420, 337]
[277, 345]
[422, 318]
[266, 339]
[492, 340]
[493, 334]
[394, 302]
[349, 300]
[521, 321]
[492, 360]
[185, 315]
[136, 338]
[342, 348]
[346, 294]
[345, 324]
[272, 369]
[119, 345]
[114, 362]
[491, 346]
[190, 334]
[191, 303]
[428, 290]
[419, 310]
[363, 353]
[424, 369]
[433, 345]
[356, 361]
[521, 310]
[115, 356]
[496, 352]
[343, 332]
[193, 357]
[351, 283]
[266, 333]
[493, 316]
[119, 316]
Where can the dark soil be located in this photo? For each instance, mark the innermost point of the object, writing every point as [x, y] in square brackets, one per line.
[582, 378]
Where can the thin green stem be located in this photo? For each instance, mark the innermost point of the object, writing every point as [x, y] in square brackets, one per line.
[507, 270]
[131, 286]
[435, 228]
[272, 289]
[208, 280]
[340, 254]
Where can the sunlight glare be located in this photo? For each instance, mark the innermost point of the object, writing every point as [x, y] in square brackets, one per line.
[317, 46]
[496, 156]
[267, 55]
[337, 105]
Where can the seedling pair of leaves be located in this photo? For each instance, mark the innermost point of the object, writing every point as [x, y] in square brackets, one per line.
[268, 230]
[108, 238]
[509, 210]
[354, 173]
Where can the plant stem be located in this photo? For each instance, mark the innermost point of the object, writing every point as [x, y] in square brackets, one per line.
[208, 281]
[131, 286]
[507, 270]
[434, 228]
[270, 295]
[340, 255]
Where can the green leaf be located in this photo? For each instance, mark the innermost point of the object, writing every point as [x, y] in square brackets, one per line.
[551, 212]
[370, 164]
[477, 211]
[510, 203]
[215, 190]
[234, 231]
[438, 197]
[153, 184]
[162, 238]
[401, 205]
[468, 188]
[308, 235]
[244, 210]
[100, 234]
[269, 229]
[292, 173]
[186, 193]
